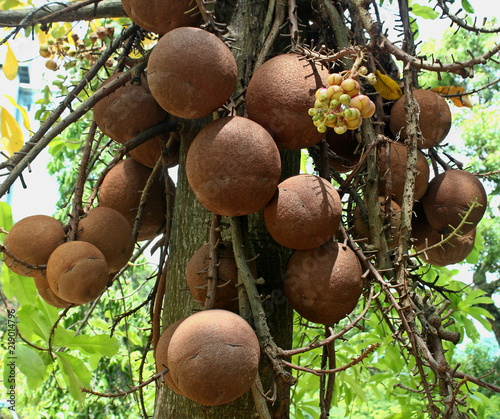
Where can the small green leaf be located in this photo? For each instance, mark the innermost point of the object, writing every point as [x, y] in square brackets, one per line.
[14, 285]
[6, 221]
[467, 6]
[75, 374]
[31, 365]
[35, 320]
[424, 12]
[103, 345]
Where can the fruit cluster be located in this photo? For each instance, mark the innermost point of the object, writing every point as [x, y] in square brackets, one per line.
[340, 106]
[63, 49]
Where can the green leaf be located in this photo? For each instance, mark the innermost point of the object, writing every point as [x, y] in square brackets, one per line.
[424, 12]
[103, 345]
[35, 320]
[6, 221]
[75, 374]
[467, 6]
[31, 365]
[14, 285]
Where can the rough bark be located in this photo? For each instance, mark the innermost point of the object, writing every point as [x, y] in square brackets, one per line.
[190, 230]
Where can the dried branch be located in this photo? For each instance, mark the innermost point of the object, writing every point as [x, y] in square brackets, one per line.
[61, 12]
[462, 23]
[212, 274]
[124, 393]
[259, 316]
[319, 372]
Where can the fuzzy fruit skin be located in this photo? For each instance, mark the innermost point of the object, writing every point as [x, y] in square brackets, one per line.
[161, 354]
[214, 357]
[127, 111]
[434, 118]
[279, 96]
[77, 272]
[121, 190]
[33, 239]
[454, 251]
[344, 146]
[226, 293]
[160, 16]
[191, 73]
[233, 166]
[398, 161]
[324, 284]
[44, 290]
[448, 198]
[304, 213]
[110, 232]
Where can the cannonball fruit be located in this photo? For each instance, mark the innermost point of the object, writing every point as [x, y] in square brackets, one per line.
[44, 290]
[121, 190]
[324, 284]
[110, 232]
[304, 213]
[77, 272]
[453, 251]
[161, 354]
[344, 150]
[32, 240]
[160, 16]
[434, 117]
[213, 357]
[233, 166]
[127, 111]
[226, 294]
[398, 157]
[279, 96]
[393, 220]
[191, 72]
[449, 197]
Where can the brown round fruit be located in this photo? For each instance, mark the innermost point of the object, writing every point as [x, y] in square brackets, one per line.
[121, 190]
[161, 354]
[226, 293]
[393, 220]
[77, 272]
[324, 285]
[449, 197]
[149, 152]
[279, 96]
[213, 357]
[344, 150]
[32, 240]
[304, 213]
[398, 160]
[160, 16]
[191, 72]
[44, 290]
[454, 251]
[434, 117]
[127, 111]
[110, 232]
[233, 166]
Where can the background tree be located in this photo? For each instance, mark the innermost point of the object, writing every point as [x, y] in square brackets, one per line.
[396, 318]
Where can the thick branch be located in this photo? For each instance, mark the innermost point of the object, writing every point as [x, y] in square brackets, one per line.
[60, 12]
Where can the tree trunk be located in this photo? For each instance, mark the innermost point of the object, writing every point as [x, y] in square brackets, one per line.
[246, 26]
